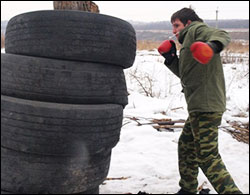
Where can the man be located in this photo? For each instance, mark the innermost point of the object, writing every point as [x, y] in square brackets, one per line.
[201, 73]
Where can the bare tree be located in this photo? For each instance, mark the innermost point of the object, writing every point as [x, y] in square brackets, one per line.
[88, 6]
[144, 81]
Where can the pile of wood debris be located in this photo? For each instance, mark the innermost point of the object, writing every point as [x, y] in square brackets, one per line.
[238, 130]
[165, 124]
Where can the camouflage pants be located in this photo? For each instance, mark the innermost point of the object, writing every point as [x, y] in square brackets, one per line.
[198, 147]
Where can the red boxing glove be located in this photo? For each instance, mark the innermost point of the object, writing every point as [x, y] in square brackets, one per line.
[201, 52]
[165, 46]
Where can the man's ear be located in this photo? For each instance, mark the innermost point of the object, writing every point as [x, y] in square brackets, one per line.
[188, 22]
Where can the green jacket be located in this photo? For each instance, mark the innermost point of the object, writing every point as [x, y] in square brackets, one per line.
[203, 85]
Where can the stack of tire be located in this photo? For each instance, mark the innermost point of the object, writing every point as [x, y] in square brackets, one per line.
[63, 92]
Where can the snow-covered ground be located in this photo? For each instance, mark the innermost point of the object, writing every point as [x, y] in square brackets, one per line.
[146, 159]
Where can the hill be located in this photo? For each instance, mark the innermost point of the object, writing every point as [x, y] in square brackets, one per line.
[159, 31]
[166, 25]
[3, 26]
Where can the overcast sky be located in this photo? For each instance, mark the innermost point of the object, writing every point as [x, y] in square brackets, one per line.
[147, 11]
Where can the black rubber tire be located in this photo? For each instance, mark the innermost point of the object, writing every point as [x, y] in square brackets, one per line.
[5, 192]
[23, 173]
[91, 191]
[58, 129]
[62, 81]
[72, 35]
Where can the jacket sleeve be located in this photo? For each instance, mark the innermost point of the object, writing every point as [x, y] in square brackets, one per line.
[220, 36]
[213, 35]
[174, 66]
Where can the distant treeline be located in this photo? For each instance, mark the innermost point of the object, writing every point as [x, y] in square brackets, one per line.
[3, 26]
[159, 31]
[160, 35]
[166, 25]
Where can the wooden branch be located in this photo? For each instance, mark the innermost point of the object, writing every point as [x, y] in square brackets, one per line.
[167, 126]
[177, 108]
[160, 122]
[117, 178]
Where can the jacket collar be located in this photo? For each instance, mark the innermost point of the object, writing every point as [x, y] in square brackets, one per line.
[184, 31]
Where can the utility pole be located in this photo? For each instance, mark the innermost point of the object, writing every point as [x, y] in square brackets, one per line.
[217, 17]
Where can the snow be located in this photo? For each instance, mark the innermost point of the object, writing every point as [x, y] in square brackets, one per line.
[146, 158]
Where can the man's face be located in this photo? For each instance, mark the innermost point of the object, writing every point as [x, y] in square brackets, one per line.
[177, 27]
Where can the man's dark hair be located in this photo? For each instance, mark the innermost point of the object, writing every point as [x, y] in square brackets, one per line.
[184, 15]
